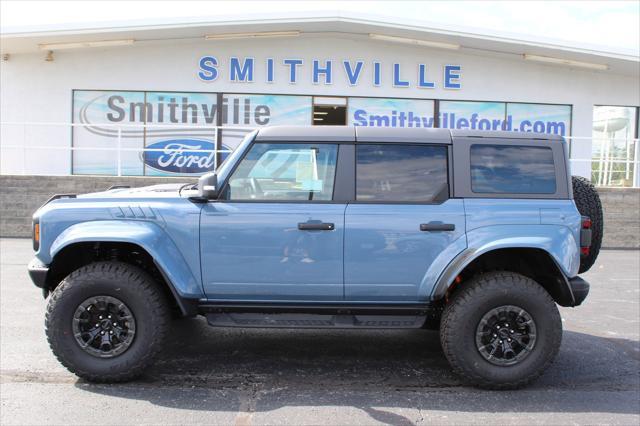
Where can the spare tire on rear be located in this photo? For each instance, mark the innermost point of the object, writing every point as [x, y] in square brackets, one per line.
[588, 203]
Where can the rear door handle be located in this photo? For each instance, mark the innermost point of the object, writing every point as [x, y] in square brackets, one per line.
[316, 226]
[437, 227]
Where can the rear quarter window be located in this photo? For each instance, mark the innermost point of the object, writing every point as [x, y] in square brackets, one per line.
[509, 169]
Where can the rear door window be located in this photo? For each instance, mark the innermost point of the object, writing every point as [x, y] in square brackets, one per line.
[509, 169]
[401, 173]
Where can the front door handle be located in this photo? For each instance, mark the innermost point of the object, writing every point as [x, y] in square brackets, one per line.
[437, 227]
[316, 226]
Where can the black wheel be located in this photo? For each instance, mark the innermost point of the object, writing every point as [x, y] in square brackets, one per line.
[588, 203]
[501, 330]
[107, 321]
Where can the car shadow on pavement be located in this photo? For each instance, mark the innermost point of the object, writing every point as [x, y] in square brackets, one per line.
[205, 368]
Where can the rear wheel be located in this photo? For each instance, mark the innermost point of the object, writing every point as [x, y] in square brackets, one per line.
[501, 330]
[107, 321]
[588, 203]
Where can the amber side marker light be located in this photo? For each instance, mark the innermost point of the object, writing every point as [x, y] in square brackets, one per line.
[36, 236]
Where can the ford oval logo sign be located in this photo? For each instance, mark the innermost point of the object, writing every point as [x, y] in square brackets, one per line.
[181, 156]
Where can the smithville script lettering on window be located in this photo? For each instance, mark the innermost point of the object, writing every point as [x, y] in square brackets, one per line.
[171, 109]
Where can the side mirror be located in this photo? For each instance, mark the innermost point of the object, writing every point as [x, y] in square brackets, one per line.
[208, 186]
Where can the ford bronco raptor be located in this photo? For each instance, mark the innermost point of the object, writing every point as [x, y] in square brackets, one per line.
[477, 234]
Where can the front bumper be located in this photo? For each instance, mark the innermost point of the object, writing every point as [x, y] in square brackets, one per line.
[580, 289]
[38, 272]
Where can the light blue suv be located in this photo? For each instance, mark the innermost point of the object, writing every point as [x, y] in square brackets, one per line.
[475, 233]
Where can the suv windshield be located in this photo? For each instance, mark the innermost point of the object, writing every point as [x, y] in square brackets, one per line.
[227, 165]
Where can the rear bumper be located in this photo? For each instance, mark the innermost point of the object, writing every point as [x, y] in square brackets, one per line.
[38, 272]
[580, 289]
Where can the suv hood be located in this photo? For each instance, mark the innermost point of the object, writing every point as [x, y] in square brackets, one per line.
[160, 191]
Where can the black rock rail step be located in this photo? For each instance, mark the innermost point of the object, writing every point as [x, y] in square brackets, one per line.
[306, 320]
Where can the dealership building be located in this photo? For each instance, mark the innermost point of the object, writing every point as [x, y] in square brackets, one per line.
[169, 98]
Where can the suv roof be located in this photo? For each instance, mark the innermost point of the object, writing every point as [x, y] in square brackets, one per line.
[387, 134]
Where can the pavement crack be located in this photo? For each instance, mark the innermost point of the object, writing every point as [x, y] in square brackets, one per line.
[248, 402]
[420, 416]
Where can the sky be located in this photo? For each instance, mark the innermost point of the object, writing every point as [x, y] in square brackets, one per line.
[614, 24]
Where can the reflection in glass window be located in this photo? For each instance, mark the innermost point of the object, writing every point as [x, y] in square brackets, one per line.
[550, 119]
[385, 112]
[472, 115]
[512, 169]
[248, 112]
[511, 117]
[285, 172]
[93, 106]
[401, 173]
[613, 147]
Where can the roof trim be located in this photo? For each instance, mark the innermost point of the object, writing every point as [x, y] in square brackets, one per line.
[504, 134]
[393, 24]
[306, 133]
[365, 134]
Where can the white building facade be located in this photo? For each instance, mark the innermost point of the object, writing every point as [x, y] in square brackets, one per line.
[174, 99]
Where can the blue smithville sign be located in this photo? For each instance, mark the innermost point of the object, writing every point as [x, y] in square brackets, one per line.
[248, 70]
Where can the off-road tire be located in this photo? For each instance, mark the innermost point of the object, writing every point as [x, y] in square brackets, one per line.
[132, 286]
[588, 203]
[479, 296]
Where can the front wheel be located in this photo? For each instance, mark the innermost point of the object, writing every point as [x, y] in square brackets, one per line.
[107, 321]
[501, 331]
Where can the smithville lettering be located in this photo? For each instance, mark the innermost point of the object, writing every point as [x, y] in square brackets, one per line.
[243, 70]
[184, 112]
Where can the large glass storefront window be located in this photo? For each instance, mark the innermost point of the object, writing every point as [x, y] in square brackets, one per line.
[379, 112]
[170, 133]
[329, 111]
[248, 112]
[539, 118]
[515, 117]
[614, 146]
[472, 115]
[143, 133]
[181, 139]
[97, 116]
[174, 133]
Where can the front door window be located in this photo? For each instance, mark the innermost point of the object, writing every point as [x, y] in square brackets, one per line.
[285, 172]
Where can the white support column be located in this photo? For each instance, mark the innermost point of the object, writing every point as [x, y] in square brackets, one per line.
[582, 126]
[636, 165]
[24, 148]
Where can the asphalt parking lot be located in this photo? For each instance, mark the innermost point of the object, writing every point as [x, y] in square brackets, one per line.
[243, 377]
